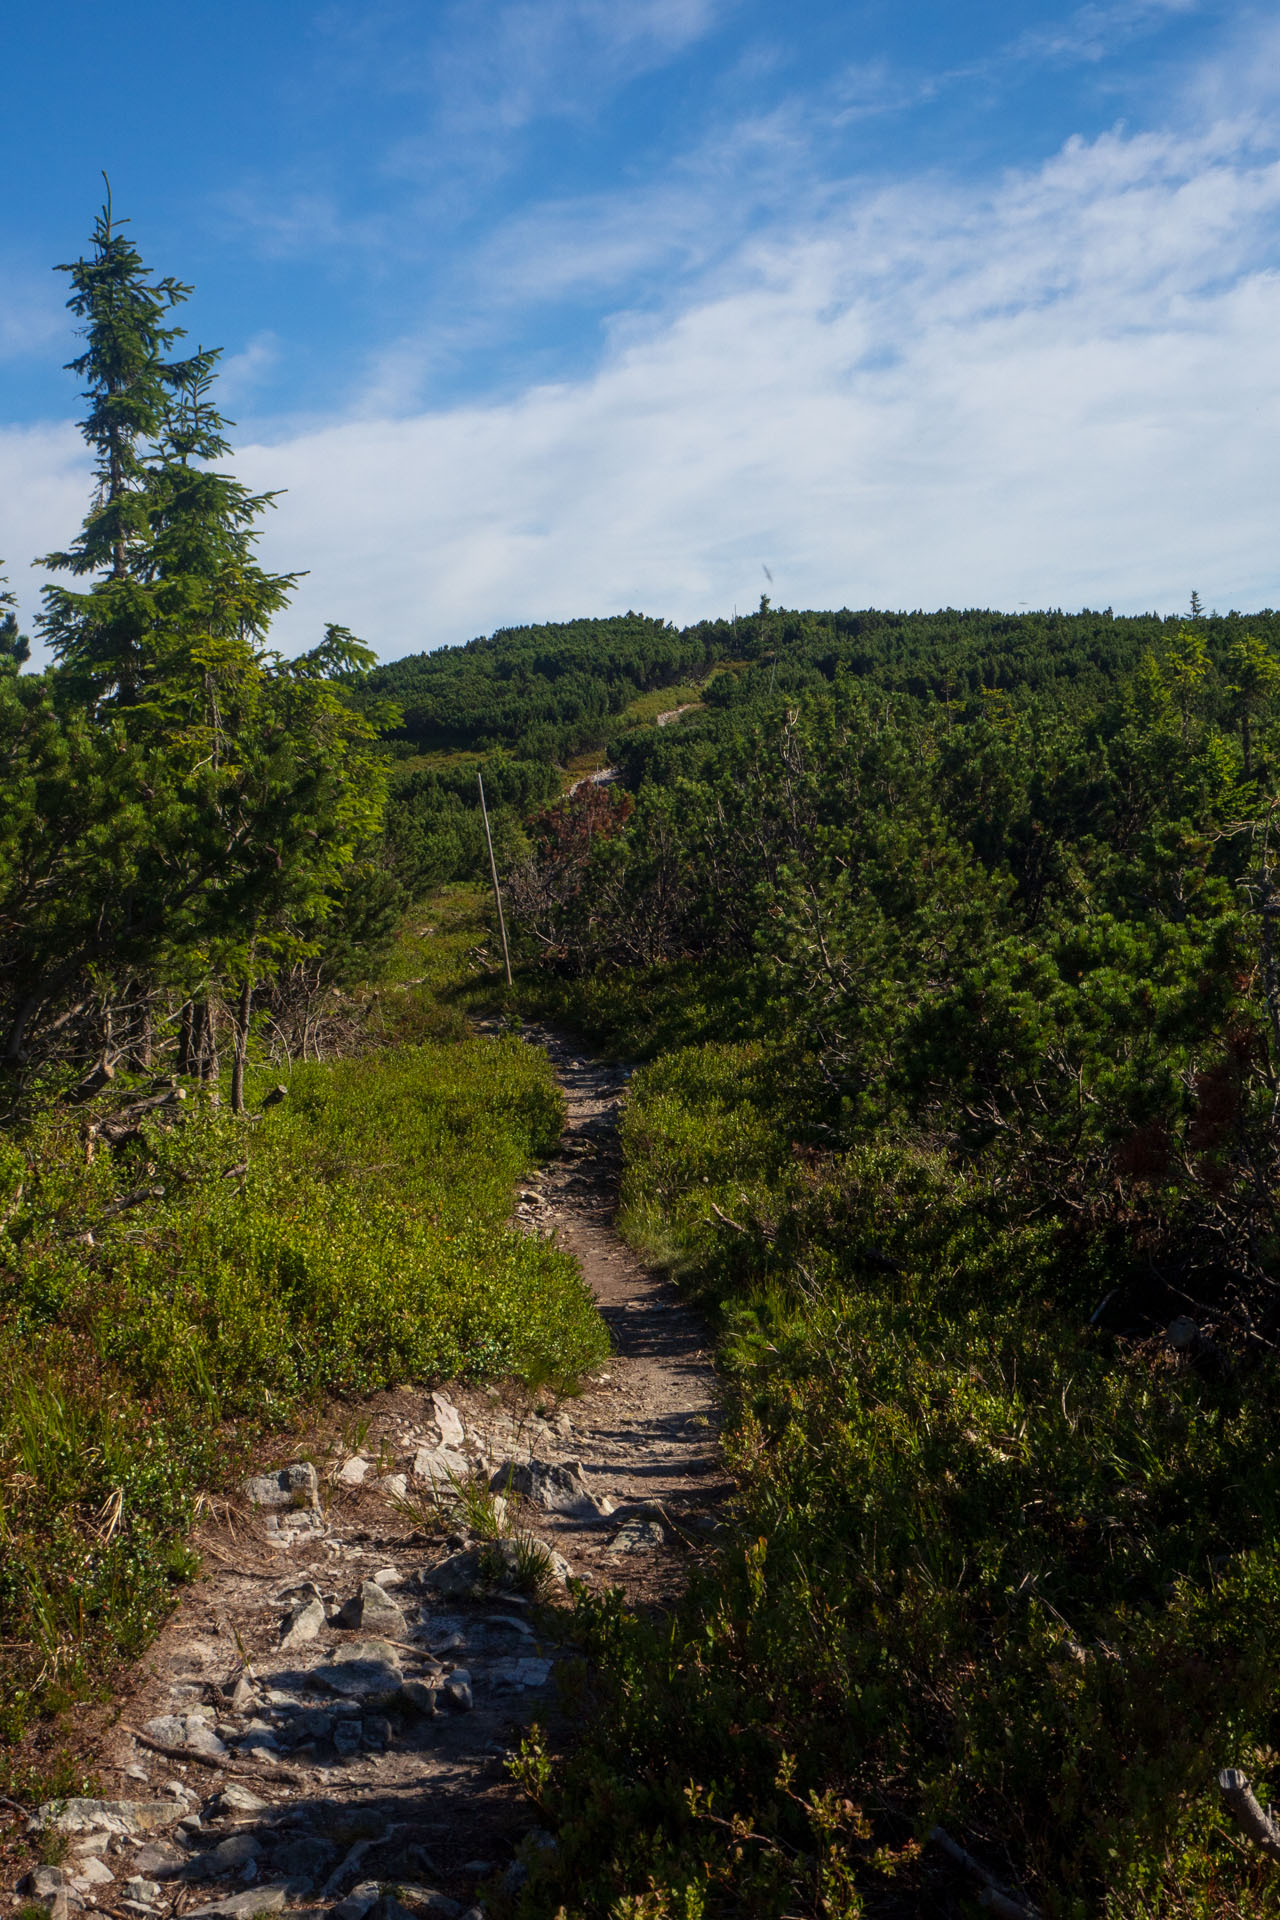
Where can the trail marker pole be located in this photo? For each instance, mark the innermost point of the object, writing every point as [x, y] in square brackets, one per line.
[493, 868]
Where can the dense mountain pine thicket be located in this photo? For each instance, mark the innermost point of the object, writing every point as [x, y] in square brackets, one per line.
[950, 941]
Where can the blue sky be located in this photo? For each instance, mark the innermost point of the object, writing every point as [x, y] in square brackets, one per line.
[544, 307]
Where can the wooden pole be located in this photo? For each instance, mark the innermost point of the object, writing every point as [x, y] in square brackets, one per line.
[493, 868]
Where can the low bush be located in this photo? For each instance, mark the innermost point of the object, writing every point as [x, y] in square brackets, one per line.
[163, 1299]
[991, 1567]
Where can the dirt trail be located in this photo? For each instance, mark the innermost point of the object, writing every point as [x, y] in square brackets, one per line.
[329, 1732]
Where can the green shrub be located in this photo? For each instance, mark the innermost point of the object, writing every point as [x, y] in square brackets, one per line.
[350, 1238]
[990, 1568]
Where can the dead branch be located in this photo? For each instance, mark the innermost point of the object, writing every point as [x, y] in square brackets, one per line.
[1253, 1820]
[994, 1897]
[285, 1775]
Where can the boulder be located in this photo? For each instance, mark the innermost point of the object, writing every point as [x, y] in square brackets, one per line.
[302, 1624]
[554, 1488]
[297, 1487]
[126, 1817]
[369, 1671]
[372, 1610]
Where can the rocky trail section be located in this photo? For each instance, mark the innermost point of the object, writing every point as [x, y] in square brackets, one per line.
[323, 1726]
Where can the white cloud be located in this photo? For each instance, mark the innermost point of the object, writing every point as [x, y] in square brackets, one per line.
[1064, 390]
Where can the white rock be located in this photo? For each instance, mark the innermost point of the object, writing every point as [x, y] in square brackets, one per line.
[352, 1472]
[302, 1625]
[448, 1420]
[395, 1485]
[92, 1872]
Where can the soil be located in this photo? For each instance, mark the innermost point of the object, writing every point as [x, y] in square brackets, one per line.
[367, 1788]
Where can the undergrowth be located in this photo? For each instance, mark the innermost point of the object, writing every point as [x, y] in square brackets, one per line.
[990, 1568]
[164, 1301]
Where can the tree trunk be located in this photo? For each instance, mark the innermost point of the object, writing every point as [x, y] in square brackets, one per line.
[186, 1035]
[242, 1045]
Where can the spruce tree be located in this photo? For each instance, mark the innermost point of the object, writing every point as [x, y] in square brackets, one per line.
[13, 645]
[101, 636]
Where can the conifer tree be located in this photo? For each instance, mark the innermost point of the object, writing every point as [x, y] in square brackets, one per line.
[13, 645]
[101, 637]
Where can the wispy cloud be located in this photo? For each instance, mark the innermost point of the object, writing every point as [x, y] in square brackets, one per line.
[1067, 392]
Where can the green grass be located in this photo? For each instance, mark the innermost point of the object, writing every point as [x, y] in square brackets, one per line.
[351, 1238]
[988, 1568]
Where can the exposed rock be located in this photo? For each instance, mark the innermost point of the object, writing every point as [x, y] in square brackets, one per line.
[374, 1611]
[303, 1624]
[556, 1489]
[360, 1901]
[441, 1467]
[237, 1799]
[127, 1817]
[461, 1575]
[168, 1729]
[160, 1862]
[297, 1486]
[421, 1900]
[90, 1873]
[640, 1535]
[243, 1697]
[457, 1690]
[420, 1698]
[395, 1485]
[353, 1472]
[302, 1861]
[232, 1853]
[348, 1738]
[287, 1529]
[202, 1739]
[448, 1421]
[377, 1732]
[242, 1906]
[42, 1882]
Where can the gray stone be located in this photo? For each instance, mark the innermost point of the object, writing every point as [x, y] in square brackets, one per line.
[556, 1489]
[237, 1799]
[302, 1861]
[448, 1421]
[42, 1881]
[377, 1732]
[295, 1487]
[126, 1817]
[420, 1698]
[353, 1472]
[638, 1536]
[168, 1729]
[141, 1889]
[373, 1611]
[231, 1854]
[244, 1697]
[302, 1625]
[360, 1901]
[457, 1690]
[348, 1737]
[510, 1621]
[290, 1528]
[92, 1872]
[242, 1906]
[442, 1467]
[369, 1671]
[311, 1723]
[395, 1485]
[202, 1739]
[160, 1862]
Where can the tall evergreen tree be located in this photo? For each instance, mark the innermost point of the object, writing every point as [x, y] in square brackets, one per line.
[101, 637]
[13, 645]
